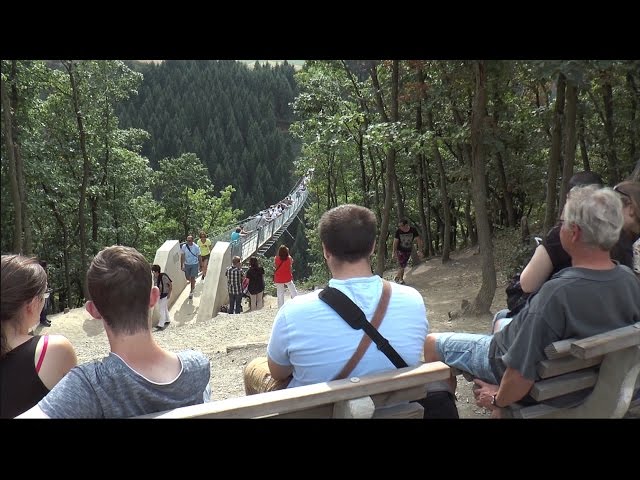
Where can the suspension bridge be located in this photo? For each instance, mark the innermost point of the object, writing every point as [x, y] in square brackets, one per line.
[264, 229]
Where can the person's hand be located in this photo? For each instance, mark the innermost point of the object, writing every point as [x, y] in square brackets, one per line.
[182, 267]
[420, 255]
[484, 392]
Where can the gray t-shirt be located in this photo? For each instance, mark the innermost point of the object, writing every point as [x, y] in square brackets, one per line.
[111, 389]
[574, 303]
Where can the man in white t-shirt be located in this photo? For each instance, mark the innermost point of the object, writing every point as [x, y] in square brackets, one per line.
[311, 343]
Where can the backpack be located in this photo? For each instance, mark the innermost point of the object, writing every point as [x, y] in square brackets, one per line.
[516, 297]
[160, 281]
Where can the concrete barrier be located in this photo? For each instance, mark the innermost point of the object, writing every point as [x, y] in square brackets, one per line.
[214, 291]
[168, 257]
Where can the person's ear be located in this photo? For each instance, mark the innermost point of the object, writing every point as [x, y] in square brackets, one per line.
[93, 310]
[34, 305]
[373, 249]
[325, 253]
[154, 296]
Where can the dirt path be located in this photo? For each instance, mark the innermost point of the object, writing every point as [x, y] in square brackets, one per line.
[443, 288]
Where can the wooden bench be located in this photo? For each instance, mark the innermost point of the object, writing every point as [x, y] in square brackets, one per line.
[608, 364]
[381, 395]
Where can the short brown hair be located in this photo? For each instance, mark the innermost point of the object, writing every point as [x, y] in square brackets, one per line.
[119, 284]
[348, 232]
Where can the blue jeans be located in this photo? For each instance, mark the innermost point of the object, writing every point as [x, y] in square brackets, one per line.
[468, 352]
[501, 319]
[235, 303]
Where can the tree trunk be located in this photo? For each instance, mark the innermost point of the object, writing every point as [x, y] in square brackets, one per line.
[65, 294]
[607, 95]
[583, 142]
[446, 233]
[86, 170]
[22, 186]
[506, 191]
[482, 302]
[502, 177]
[472, 232]
[12, 168]
[427, 210]
[554, 160]
[569, 143]
[631, 82]
[363, 172]
[390, 164]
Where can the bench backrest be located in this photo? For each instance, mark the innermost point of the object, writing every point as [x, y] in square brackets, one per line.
[608, 362]
[379, 395]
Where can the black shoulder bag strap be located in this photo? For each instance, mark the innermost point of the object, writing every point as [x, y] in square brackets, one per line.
[354, 316]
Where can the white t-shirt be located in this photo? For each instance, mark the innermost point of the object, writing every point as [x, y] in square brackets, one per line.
[312, 337]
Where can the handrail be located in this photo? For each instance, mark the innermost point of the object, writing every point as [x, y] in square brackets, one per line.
[248, 244]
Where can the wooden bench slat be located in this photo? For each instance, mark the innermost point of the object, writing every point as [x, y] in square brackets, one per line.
[559, 349]
[311, 396]
[381, 401]
[560, 366]
[557, 386]
[607, 342]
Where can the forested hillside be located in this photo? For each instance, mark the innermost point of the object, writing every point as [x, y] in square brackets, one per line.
[235, 119]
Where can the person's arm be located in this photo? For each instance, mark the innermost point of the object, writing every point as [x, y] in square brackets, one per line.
[395, 246]
[59, 358]
[512, 388]
[170, 285]
[279, 372]
[537, 271]
[181, 258]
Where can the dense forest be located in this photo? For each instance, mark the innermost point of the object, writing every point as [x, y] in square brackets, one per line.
[102, 152]
[96, 153]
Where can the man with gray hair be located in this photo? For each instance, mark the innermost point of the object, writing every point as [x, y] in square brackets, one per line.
[592, 296]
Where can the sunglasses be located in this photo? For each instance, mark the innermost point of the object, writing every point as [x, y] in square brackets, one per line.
[626, 198]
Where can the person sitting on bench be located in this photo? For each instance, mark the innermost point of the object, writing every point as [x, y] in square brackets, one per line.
[592, 296]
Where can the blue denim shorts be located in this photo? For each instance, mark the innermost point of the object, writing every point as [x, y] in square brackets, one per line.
[190, 271]
[468, 352]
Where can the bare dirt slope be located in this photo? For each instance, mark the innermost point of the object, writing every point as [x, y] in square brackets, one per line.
[231, 341]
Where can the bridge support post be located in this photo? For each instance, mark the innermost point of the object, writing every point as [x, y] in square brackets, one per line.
[214, 291]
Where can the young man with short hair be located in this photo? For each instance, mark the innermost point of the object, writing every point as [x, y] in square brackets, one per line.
[311, 343]
[403, 245]
[138, 376]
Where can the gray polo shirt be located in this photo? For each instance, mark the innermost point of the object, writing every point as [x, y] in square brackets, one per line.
[574, 303]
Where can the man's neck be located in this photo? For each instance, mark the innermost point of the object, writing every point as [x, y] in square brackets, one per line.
[132, 347]
[346, 270]
[593, 259]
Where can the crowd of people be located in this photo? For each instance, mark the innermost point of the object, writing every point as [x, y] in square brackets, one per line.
[584, 280]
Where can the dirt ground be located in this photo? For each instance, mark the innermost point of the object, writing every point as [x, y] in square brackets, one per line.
[231, 341]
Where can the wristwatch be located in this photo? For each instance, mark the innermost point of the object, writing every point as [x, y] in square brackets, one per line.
[493, 400]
